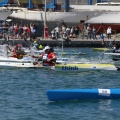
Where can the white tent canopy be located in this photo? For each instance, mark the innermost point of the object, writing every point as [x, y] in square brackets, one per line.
[107, 18]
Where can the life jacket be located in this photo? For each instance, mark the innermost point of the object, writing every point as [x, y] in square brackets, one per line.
[19, 54]
[45, 57]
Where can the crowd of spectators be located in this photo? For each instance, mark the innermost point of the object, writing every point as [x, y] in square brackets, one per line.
[18, 31]
[65, 32]
[74, 32]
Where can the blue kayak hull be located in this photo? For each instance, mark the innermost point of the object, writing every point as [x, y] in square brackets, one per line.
[83, 94]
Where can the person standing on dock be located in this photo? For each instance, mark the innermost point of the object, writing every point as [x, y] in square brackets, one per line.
[33, 32]
[45, 32]
[94, 33]
[102, 38]
[109, 31]
[88, 31]
[57, 32]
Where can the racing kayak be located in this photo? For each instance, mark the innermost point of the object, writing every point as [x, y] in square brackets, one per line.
[117, 54]
[101, 49]
[25, 62]
[83, 94]
[61, 64]
[84, 66]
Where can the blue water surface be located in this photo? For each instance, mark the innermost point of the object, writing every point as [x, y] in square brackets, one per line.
[23, 92]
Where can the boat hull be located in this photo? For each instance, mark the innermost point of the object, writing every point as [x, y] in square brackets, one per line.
[81, 67]
[4, 14]
[83, 94]
[27, 62]
[69, 17]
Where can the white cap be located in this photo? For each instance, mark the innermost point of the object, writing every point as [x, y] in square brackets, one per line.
[46, 48]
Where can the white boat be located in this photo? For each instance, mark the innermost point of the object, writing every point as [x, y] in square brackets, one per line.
[79, 12]
[4, 13]
[5, 10]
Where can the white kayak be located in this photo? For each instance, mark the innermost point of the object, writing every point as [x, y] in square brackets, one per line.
[117, 54]
[27, 62]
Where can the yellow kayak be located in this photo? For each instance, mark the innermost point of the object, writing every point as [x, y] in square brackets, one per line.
[77, 67]
[101, 49]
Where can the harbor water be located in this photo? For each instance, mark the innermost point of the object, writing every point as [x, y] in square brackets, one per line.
[23, 91]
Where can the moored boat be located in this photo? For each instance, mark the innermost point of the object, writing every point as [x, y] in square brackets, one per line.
[83, 94]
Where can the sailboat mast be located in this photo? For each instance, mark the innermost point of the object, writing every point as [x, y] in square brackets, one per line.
[45, 14]
[45, 20]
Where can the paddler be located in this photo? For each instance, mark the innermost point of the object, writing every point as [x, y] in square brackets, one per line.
[48, 57]
[18, 51]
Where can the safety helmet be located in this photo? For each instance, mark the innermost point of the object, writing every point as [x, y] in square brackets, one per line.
[40, 47]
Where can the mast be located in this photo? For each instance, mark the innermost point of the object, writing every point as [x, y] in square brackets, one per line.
[45, 19]
[45, 14]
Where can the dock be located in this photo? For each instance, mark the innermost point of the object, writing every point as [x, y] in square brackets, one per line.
[66, 43]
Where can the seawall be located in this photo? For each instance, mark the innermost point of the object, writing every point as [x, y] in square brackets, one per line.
[65, 43]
